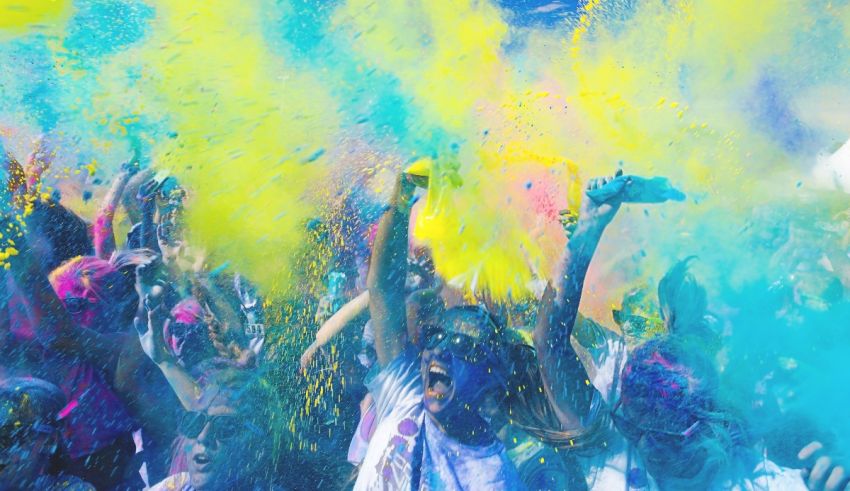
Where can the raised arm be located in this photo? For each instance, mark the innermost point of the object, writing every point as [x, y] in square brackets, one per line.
[335, 325]
[564, 376]
[54, 328]
[103, 234]
[387, 272]
[150, 323]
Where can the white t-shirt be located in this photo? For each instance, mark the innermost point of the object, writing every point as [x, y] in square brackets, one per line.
[408, 451]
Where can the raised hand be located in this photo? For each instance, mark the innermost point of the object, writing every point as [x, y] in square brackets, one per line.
[599, 214]
[148, 191]
[132, 166]
[150, 332]
[820, 471]
[405, 188]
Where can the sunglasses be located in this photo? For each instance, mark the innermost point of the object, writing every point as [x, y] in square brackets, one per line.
[77, 305]
[461, 345]
[221, 428]
[180, 329]
[634, 432]
[637, 323]
[12, 435]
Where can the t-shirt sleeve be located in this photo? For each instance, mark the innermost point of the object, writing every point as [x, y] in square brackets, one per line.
[768, 475]
[396, 385]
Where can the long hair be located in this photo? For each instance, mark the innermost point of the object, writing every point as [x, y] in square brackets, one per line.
[525, 403]
[221, 314]
[684, 307]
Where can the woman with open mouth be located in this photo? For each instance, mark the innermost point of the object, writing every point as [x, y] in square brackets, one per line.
[430, 433]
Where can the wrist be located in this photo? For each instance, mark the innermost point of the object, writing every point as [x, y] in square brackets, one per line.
[589, 228]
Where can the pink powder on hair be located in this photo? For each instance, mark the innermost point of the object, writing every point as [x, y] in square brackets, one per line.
[187, 311]
[83, 277]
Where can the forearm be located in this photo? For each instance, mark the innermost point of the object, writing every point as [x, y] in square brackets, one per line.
[341, 318]
[148, 227]
[186, 388]
[564, 376]
[386, 279]
[104, 234]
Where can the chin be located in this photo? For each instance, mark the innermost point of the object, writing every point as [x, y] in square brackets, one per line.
[436, 405]
[202, 481]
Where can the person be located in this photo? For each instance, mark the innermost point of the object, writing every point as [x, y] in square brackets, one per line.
[187, 335]
[224, 441]
[698, 444]
[31, 437]
[430, 431]
[81, 314]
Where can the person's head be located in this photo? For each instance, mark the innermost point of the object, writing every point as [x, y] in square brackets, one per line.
[225, 442]
[460, 361]
[187, 333]
[668, 409]
[684, 308]
[639, 318]
[30, 432]
[95, 293]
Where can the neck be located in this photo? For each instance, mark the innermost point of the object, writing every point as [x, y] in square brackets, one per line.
[465, 426]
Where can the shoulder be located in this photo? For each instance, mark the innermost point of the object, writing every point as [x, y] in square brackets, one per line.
[403, 366]
[768, 475]
[172, 483]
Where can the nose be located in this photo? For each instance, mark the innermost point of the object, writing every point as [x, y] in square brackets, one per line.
[205, 437]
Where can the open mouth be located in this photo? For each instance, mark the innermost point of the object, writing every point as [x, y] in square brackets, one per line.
[439, 381]
[201, 460]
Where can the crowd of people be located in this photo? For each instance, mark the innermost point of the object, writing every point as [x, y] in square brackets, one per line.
[132, 364]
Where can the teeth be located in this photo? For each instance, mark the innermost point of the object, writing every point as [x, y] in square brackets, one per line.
[438, 370]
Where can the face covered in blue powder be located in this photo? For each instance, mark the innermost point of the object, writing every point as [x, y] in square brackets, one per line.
[459, 360]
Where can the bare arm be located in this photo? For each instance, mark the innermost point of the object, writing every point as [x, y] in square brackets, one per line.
[335, 325]
[185, 387]
[564, 376]
[387, 272]
[103, 232]
[150, 331]
[54, 327]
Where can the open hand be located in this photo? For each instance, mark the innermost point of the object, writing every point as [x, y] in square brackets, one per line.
[150, 332]
[820, 471]
[132, 166]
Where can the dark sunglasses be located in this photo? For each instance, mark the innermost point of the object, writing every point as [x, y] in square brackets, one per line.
[634, 432]
[77, 305]
[11, 434]
[221, 427]
[461, 345]
[180, 329]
